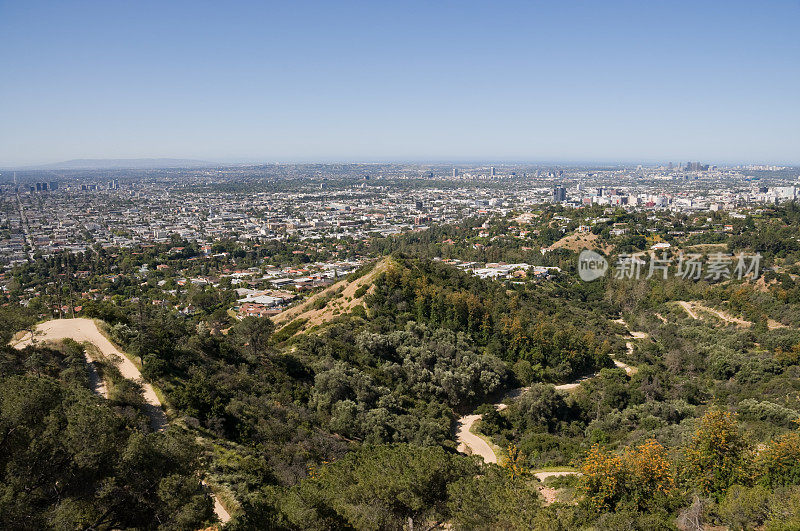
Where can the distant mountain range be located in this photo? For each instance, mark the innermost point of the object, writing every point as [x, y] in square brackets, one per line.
[115, 164]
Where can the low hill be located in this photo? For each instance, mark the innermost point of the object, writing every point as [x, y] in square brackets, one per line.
[338, 299]
[578, 241]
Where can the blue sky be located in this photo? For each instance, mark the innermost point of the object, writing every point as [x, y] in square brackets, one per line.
[435, 80]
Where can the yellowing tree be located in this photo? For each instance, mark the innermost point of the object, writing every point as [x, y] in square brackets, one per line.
[779, 463]
[651, 472]
[633, 478]
[516, 464]
[717, 456]
[603, 481]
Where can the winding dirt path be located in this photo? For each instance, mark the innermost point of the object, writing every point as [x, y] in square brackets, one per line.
[85, 330]
[772, 324]
[725, 316]
[690, 308]
[472, 444]
[82, 330]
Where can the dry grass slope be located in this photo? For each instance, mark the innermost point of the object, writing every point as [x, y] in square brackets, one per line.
[578, 241]
[342, 297]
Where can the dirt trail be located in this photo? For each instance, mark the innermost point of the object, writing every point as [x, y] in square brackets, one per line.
[468, 442]
[576, 383]
[630, 371]
[722, 315]
[97, 383]
[222, 513]
[85, 330]
[82, 330]
[690, 308]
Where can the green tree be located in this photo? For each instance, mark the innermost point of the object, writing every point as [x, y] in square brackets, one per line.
[252, 335]
[493, 500]
[379, 487]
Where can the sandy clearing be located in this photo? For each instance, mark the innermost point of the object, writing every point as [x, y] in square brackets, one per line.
[550, 494]
[85, 330]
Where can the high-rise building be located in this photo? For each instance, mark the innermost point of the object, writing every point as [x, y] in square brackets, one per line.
[696, 166]
[491, 170]
[559, 194]
[455, 172]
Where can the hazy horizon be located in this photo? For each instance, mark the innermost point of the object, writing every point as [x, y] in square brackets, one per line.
[171, 162]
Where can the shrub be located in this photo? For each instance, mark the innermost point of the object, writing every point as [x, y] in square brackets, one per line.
[752, 409]
[779, 463]
[744, 508]
[637, 477]
[361, 291]
[717, 456]
[604, 476]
